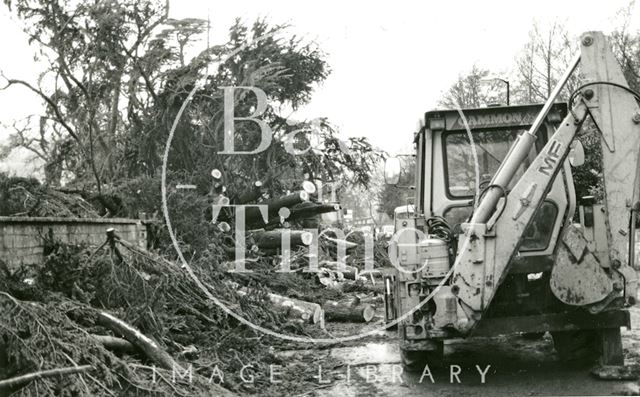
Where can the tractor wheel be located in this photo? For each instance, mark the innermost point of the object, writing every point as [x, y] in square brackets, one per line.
[416, 360]
[582, 345]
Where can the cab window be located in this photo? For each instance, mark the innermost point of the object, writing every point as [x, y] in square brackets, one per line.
[491, 147]
[536, 236]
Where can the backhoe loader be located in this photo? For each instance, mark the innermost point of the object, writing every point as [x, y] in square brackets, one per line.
[496, 241]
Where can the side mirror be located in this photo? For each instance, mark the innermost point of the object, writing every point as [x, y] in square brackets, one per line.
[576, 154]
[392, 170]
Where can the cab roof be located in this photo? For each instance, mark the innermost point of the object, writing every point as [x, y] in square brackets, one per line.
[492, 117]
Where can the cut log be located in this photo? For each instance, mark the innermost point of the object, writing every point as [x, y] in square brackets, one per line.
[253, 216]
[216, 174]
[304, 211]
[308, 209]
[273, 238]
[358, 285]
[340, 311]
[309, 187]
[147, 345]
[308, 312]
[350, 301]
[224, 227]
[373, 300]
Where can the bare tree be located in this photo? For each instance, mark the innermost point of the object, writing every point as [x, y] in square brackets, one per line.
[469, 90]
[542, 61]
[626, 47]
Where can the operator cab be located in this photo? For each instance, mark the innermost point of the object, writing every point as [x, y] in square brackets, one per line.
[448, 183]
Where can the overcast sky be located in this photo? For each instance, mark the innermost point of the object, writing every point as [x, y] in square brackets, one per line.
[390, 61]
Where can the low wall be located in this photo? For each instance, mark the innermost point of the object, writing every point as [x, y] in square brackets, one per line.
[22, 239]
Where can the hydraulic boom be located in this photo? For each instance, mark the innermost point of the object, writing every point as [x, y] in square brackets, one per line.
[494, 234]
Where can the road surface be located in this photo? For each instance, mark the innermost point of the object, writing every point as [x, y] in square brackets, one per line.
[506, 365]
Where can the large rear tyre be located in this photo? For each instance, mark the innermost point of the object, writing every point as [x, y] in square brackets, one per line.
[573, 346]
[416, 360]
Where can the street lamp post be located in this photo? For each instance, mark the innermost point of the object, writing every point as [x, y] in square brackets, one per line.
[507, 83]
[502, 80]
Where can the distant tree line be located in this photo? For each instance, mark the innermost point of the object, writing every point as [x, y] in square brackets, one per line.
[541, 62]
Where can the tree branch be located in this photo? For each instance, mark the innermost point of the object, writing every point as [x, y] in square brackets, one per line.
[54, 107]
[22, 379]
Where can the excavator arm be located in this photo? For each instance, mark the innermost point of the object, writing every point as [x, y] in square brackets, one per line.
[493, 236]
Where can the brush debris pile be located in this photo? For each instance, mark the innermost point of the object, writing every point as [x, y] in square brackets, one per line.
[28, 197]
[134, 318]
[122, 320]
